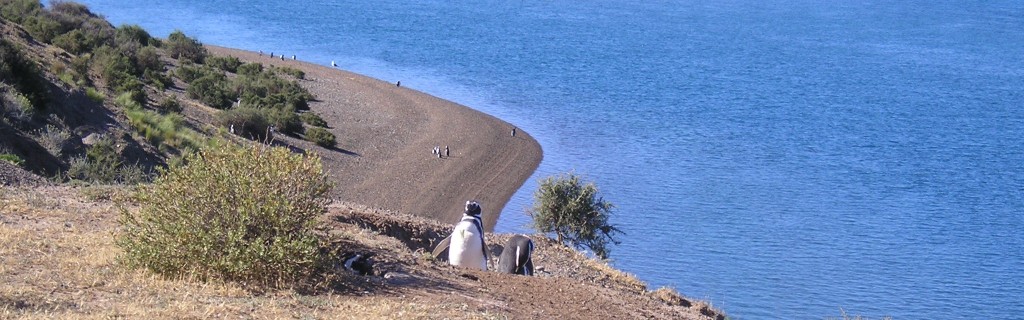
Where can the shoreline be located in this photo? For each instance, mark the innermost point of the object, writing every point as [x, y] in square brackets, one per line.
[385, 134]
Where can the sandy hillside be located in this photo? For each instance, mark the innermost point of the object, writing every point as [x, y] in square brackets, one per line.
[385, 136]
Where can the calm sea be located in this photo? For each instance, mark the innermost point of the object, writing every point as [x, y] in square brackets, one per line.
[782, 159]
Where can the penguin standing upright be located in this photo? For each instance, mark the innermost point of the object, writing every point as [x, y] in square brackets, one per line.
[516, 257]
[467, 248]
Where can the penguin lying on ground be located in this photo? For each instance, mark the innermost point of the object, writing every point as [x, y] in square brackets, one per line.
[516, 256]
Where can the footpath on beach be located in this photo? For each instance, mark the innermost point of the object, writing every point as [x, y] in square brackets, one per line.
[386, 134]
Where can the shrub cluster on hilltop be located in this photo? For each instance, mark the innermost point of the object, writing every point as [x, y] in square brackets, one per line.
[128, 71]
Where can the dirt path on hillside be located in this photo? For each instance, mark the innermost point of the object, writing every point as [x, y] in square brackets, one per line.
[385, 136]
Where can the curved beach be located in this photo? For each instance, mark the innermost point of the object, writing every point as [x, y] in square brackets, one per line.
[385, 136]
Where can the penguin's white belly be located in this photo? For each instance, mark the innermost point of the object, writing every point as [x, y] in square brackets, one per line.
[466, 249]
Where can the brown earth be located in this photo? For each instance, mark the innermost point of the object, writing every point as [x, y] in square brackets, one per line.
[385, 134]
[58, 260]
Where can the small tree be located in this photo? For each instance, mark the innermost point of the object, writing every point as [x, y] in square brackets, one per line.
[574, 212]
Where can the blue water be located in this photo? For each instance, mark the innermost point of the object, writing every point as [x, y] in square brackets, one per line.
[782, 159]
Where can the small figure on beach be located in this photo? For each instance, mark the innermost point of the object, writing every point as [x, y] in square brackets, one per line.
[333, 64]
[271, 54]
[446, 153]
[282, 57]
[513, 132]
[398, 84]
[293, 57]
[261, 53]
[232, 129]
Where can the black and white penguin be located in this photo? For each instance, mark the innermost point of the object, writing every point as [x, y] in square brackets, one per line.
[467, 248]
[516, 257]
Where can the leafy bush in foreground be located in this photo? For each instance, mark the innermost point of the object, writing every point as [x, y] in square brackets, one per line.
[234, 213]
[574, 212]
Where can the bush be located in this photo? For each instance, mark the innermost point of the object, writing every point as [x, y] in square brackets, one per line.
[250, 69]
[248, 122]
[94, 95]
[12, 158]
[157, 79]
[170, 104]
[189, 72]
[313, 119]
[252, 216]
[574, 212]
[73, 42]
[229, 64]
[210, 91]
[298, 74]
[185, 48]
[148, 59]
[100, 165]
[23, 74]
[131, 33]
[321, 137]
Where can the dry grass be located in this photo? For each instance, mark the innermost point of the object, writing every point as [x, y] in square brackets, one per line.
[620, 277]
[61, 262]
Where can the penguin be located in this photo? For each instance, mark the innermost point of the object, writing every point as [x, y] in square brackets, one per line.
[467, 248]
[516, 258]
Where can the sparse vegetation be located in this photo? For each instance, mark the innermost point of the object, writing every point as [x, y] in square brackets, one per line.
[313, 119]
[22, 73]
[12, 158]
[572, 209]
[321, 137]
[258, 229]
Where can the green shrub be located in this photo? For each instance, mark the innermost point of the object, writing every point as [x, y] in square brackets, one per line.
[285, 121]
[298, 74]
[12, 158]
[74, 42]
[148, 59]
[100, 165]
[249, 123]
[157, 79]
[189, 72]
[250, 69]
[165, 130]
[94, 95]
[131, 33]
[321, 137]
[251, 216]
[185, 48]
[23, 74]
[170, 104]
[128, 100]
[18, 10]
[313, 119]
[229, 64]
[210, 91]
[574, 212]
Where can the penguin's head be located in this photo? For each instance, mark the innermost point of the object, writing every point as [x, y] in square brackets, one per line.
[472, 208]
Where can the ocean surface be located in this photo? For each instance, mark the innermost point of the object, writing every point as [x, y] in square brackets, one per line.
[782, 159]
